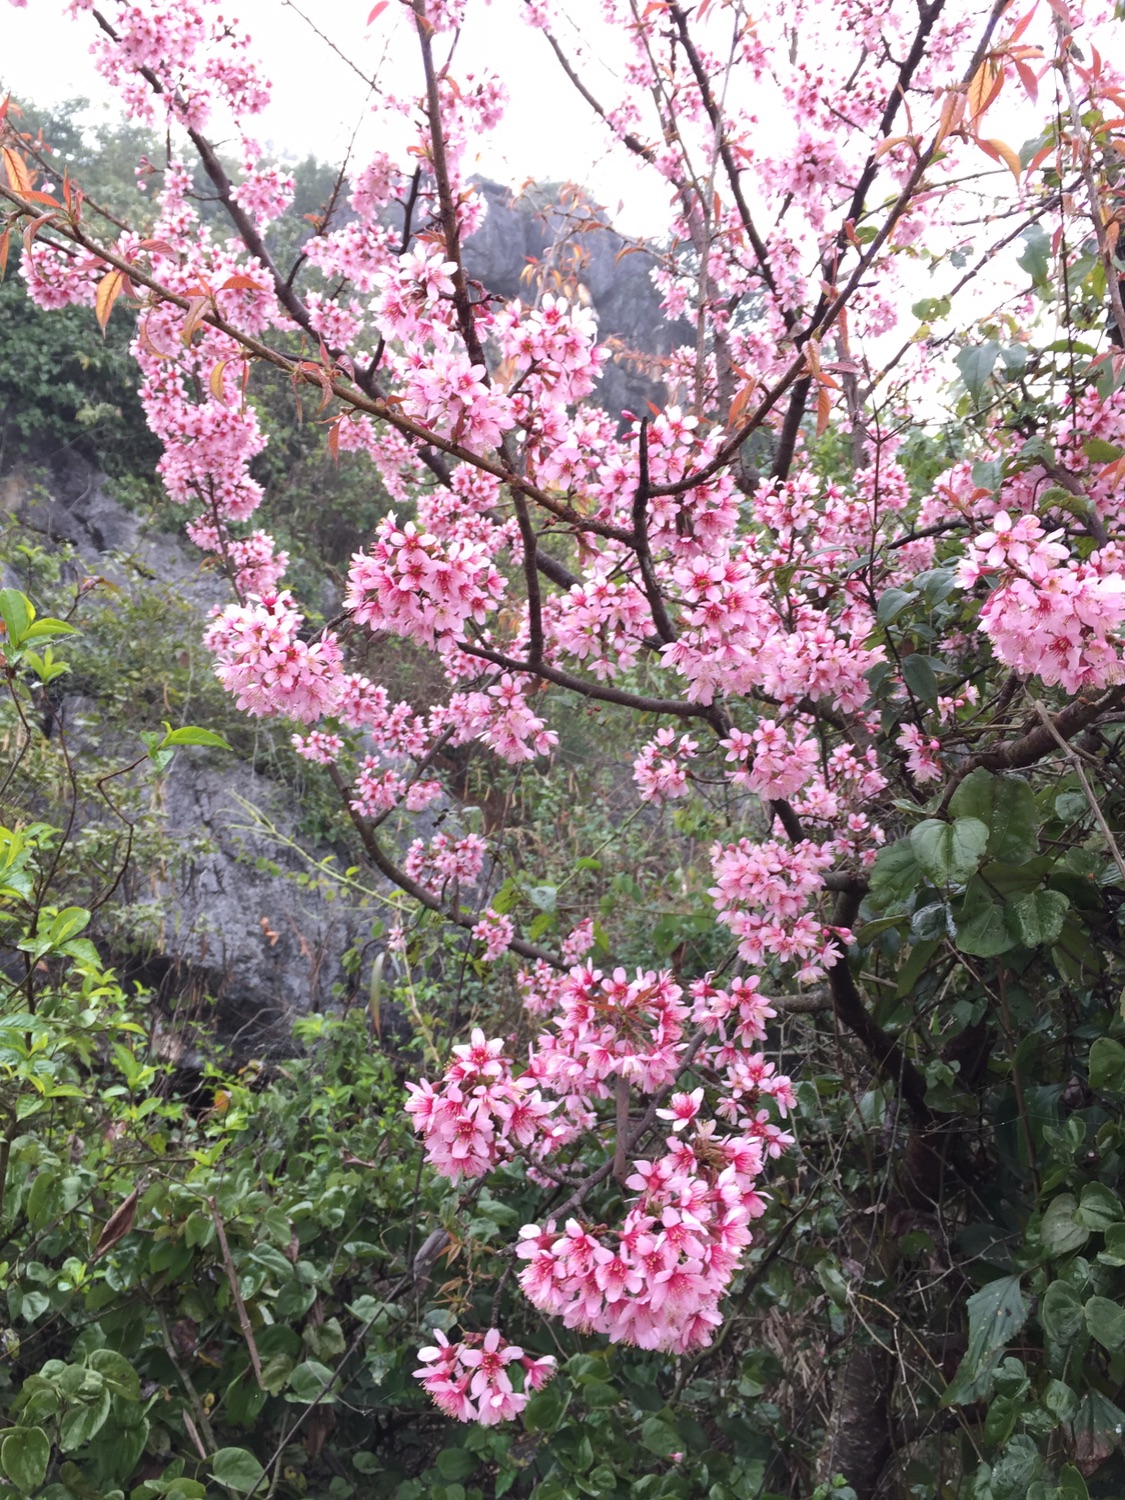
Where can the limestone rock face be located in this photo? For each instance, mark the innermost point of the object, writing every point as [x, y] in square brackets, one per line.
[218, 928]
[619, 287]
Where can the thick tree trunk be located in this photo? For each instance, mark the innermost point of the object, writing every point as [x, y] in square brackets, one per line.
[857, 1443]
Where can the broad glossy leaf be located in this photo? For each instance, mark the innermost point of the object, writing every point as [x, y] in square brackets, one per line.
[1036, 917]
[981, 928]
[1106, 1322]
[895, 874]
[24, 1456]
[949, 853]
[996, 1314]
[976, 365]
[237, 1469]
[1060, 1231]
[1006, 805]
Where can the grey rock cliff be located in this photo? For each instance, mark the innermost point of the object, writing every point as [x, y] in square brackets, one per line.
[613, 271]
[226, 922]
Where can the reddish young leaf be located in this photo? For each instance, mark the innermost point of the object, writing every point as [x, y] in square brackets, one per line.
[16, 168]
[109, 289]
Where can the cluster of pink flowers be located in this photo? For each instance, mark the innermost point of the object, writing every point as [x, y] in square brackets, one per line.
[495, 931]
[416, 586]
[657, 1282]
[763, 892]
[470, 1380]
[481, 1113]
[1049, 615]
[769, 761]
[264, 662]
[446, 862]
[660, 770]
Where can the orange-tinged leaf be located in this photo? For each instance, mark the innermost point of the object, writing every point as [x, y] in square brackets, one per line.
[5, 241]
[334, 440]
[1021, 26]
[1001, 152]
[215, 381]
[823, 410]
[197, 307]
[1030, 80]
[741, 402]
[117, 1226]
[147, 342]
[241, 283]
[158, 247]
[32, 228]
[952, 113]
[16, 168]
[979, 85]
[985, 85]
[1060, 10]
[109, 289]
[377, 11]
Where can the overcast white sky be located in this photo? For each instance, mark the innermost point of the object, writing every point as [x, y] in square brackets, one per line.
[318, 100]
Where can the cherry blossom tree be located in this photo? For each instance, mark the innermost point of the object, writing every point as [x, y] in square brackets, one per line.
[857, 666]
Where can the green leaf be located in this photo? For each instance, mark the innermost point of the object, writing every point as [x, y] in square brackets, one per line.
[1106, 1322]
[919, 678]
[891, 603]
[1061, 1313]
[455, 1463]
[1114, 1252]
[17, 612]
[83, 1421]
[1102, 452]
[1058, 1399]
[1036, 917]
[545, 1409]
[237, 1469]
[1097, 1425]
[981, 928]
[896, 873]
[996, 1313]
[1098, 1207]
[976, 365]
[70, 921]
[307, 1381]
[949, 853]
[1006, 805]
[1071, 1484]
[1036, 258]
[1107, 1066]
[48, 626]
[191, 734]
[1060, 1232]
[542, 896]
[24, 1457]
[915, 966]
[660, 1437]
[117, 1373]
